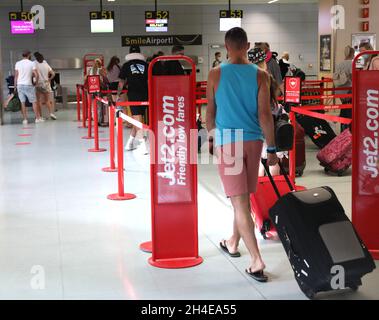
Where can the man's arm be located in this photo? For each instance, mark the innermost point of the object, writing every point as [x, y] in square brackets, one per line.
[265, 115]
[121, 84]
[36, 75]
[211, 107]
[15, 79]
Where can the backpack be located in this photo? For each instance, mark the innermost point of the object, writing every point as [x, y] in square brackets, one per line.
[340, 78]
[284, 131]
[14, 105]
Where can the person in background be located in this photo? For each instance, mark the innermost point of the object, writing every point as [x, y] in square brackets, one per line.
[258, 57]
[113, 73]
[272, 65]
[174, 67]
[217, 61]
[99, 70]
[134, 73]
[239, 115]
[343, 78]
[25, 71]
[371, 61]
[284, 64]
[159, 67]
[43, 87]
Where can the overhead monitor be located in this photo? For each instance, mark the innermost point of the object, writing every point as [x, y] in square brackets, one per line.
[22, 27]
[102, 26]
[228, 23]
[102, 21]
[156, 21]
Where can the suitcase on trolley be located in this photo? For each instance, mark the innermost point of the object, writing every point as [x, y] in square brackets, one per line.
[318, 130]
[300, 153]
[324, 250]
[336, 157]
[264, 199]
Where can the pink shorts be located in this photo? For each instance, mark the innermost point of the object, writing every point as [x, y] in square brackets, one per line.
[238, 166]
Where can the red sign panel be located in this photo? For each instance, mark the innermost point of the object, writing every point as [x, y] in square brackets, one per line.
[366, 159]
[174, 181]
[93, 83]
[292, 90]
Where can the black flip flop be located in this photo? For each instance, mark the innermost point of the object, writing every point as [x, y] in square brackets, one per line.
[257, 276]
[226, 250]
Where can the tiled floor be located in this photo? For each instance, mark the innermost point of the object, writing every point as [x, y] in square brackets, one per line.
[54, 216]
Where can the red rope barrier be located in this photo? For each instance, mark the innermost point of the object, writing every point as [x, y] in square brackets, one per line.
[132, 103]
[317, 115]
[326, 89]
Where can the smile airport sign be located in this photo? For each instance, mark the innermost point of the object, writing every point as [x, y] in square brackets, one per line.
[166, 40]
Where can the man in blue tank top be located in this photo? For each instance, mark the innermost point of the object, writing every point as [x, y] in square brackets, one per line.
[239, 118]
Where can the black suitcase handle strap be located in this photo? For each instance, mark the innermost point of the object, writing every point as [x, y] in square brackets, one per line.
[273, 183]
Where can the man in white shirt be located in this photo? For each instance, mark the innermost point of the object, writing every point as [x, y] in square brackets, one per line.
[25, 71]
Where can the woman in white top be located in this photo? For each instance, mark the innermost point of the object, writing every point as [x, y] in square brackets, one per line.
[43, 87]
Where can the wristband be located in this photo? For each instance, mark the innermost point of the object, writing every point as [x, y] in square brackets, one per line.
[271, 150]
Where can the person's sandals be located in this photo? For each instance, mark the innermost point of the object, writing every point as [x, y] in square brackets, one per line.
[224, 248]
[257, 276]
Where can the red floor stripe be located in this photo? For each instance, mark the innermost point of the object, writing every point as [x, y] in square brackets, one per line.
[22, 143]
[25, 135]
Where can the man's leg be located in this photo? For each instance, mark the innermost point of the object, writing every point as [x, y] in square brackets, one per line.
[36, 110]
[233, 243]
[245, 228]
[23, 111]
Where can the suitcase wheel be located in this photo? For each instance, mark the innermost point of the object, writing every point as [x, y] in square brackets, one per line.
[309, 293]
[326, 170]
[299, 173]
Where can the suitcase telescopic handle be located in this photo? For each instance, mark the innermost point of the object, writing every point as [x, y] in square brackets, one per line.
[273, 183]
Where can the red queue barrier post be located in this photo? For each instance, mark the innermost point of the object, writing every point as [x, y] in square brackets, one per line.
[173, 185]
[84, 108]
[292, 153]
[89, 118]
[121, 195]
[112, 167]
[96, 147]
[365, 189]
[78, 103]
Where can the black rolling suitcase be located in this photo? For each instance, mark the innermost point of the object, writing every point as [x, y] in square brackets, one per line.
[320, 241]
[318, 130]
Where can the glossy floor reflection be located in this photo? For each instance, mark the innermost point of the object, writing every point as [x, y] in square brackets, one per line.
[56, 225]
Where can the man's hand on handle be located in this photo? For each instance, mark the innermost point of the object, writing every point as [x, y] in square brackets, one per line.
[272, 159]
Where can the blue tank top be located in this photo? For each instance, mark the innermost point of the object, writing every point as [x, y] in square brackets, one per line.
[237, 104]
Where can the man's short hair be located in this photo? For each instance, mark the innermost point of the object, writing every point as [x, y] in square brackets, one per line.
[176, 49]
[236, 37]
[217, 54]
[26, 53]
[135, 49]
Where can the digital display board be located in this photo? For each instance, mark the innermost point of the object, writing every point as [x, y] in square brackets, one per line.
[156, 25]
[156, 21]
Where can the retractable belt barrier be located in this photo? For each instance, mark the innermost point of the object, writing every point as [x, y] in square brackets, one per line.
[365, 190]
